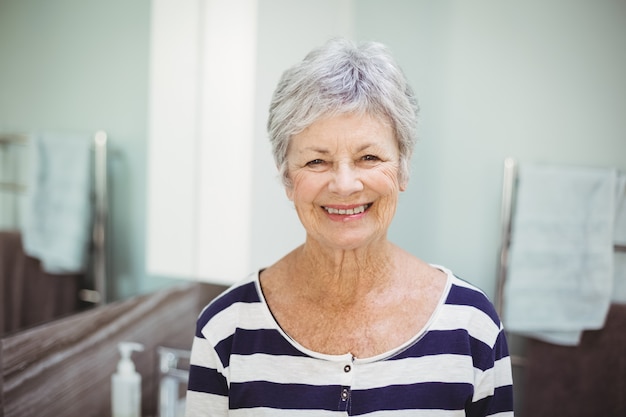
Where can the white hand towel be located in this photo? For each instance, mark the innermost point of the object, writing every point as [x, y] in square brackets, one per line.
[58, 207]
[560, 275]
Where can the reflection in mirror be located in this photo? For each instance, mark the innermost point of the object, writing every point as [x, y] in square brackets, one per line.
[80, 67]
[53, 226]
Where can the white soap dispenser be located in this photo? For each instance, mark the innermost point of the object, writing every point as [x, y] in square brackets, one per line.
[126, 384]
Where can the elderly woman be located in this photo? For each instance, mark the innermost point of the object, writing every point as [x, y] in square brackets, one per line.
[348, 323]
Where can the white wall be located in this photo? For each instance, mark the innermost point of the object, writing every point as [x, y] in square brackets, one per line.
[201, 118]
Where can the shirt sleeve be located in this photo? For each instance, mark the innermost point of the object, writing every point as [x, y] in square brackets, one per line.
[493, 390]
[207, 390]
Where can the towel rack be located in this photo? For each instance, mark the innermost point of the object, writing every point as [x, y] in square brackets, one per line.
[506, 212]
[98, 295]
[6, 138]
[12, 139]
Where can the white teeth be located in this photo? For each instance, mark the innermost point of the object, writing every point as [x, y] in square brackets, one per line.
[355, 210]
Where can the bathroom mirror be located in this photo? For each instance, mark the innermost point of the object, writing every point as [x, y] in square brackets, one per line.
[81, 66]
[488, 88]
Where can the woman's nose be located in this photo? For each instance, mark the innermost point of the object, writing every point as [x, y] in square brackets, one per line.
[345, 180]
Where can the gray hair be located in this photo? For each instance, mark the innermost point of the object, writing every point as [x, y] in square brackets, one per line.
[343, 77]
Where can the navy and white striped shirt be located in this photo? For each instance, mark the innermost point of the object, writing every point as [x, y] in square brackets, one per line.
[243, 364]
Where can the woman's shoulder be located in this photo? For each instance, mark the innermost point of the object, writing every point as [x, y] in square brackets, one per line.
[463, 295]
[238, 321]
[242, 293]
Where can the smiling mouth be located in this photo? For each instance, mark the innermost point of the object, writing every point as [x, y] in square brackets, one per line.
[349, 211]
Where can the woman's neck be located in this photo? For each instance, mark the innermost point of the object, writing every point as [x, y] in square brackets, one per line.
[342, 276]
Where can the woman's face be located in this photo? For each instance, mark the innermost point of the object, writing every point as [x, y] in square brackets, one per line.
[344, 180]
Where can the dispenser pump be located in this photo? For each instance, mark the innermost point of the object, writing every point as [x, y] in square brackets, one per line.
[126, 365]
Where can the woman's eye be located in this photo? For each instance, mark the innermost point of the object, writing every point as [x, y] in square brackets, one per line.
[370, 158]
[315, 162]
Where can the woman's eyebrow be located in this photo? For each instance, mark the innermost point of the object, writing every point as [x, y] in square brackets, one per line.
[324, 151]
[315, 150]
[372, 145]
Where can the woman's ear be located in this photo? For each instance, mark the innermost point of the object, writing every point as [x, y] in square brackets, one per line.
[288, 185]
[403, 174]
[403, 178]
[286, 180]
[289, 191]
[403, 184]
